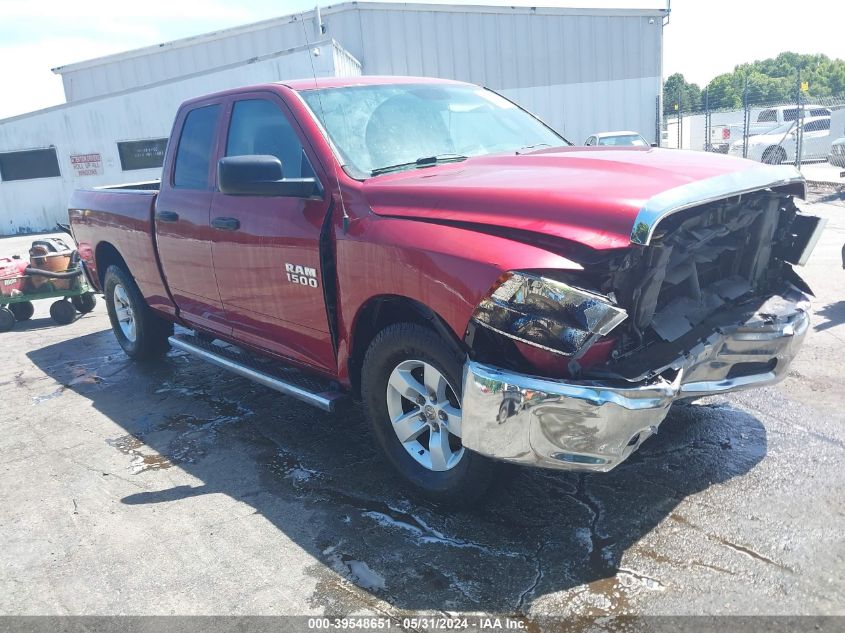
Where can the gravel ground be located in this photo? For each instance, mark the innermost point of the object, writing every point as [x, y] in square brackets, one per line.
[176, 488]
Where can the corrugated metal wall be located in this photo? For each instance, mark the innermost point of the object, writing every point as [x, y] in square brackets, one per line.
[580, 73]
[582, 70]
[96, 126]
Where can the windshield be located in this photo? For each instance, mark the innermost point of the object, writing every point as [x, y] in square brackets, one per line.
[783, 128]
[405, 126]
[627, 140]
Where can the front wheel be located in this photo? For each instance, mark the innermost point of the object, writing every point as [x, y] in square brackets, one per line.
[140, 332]
[411, 386]
[774, 155]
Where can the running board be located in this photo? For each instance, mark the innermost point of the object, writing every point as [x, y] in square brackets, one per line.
[317, 392]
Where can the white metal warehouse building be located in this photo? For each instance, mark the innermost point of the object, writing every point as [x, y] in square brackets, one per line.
[581, 70]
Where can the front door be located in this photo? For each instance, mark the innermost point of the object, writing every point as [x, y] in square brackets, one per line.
[816, 140]
[266, 249]
[183, 234]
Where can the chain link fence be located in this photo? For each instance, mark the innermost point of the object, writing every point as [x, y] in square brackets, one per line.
[803, 131]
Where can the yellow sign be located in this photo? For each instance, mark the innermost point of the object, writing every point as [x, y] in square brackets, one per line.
[805, 86]
[676, 106]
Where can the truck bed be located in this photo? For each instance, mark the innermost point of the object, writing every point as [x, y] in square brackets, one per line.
[120, 217]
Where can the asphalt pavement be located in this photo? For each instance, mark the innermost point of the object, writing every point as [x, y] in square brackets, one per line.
[177, 488]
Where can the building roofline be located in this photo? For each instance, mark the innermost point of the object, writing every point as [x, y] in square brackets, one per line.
[171, 80]
[348, 6]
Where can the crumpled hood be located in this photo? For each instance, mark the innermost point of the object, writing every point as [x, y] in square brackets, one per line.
[592, 196]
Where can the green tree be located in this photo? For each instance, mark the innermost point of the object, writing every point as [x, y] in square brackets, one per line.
[723, 93]
[677, 88]
[776, 80]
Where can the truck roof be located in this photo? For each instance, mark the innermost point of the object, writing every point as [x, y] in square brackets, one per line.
[301, 85]
[304, 85]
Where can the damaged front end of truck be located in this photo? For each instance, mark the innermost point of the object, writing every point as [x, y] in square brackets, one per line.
[574, 370]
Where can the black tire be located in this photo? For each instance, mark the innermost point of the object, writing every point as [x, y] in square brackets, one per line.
[23, 311]
[151, 331]
[84, 303]
[774, 155]
[62, 312]
[466, 482]
[7, 319]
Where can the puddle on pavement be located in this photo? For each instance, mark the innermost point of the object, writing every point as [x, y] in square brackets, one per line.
[83, 376]
[141, 461]
[287, 465]
[223, 407]
[180, 438]
[49, 396]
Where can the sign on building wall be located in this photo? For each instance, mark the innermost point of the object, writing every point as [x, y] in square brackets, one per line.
[146, 154]
[87, 164]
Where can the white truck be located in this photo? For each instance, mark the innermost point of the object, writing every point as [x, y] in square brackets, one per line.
[722, 136]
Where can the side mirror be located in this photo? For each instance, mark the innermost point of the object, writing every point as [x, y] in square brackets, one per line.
[655, 145]
[262, 175]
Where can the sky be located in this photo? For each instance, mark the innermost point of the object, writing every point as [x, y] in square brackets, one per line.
[703, 39]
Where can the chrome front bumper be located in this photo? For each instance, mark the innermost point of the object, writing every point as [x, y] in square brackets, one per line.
[594, 426]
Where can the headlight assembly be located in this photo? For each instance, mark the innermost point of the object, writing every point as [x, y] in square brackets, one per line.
[547, 313]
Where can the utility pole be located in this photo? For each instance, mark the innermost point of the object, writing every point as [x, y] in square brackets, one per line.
[746, 122]
[680, 119]
[799, 122]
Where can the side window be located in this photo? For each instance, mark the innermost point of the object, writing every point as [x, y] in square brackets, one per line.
[767, 116]
[195, 147]
[258, 126]
[817, 126]
[790, 114]
[820, 112]
[591, 141]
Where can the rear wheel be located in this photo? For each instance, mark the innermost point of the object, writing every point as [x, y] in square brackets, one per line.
[140, 332]
[411, 385]
[23, 311]
[84, 303]
[7, 319]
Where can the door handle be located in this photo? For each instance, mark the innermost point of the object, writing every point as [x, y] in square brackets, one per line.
[167, 216]
[226, 224]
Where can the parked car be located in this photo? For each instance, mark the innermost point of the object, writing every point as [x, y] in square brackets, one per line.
[837, 153]
[624, 138]
[489, 292]
[779, 145]
[770, 118]
[723, 136]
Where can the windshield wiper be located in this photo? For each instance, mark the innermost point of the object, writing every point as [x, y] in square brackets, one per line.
[425, 161]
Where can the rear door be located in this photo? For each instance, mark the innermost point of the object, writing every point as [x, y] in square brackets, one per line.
[266, 249]
[183, 234]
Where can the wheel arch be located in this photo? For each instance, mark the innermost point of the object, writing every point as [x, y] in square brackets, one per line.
[105, 255]
[379, 312]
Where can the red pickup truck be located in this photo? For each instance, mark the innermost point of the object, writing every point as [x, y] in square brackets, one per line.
[428, 247]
